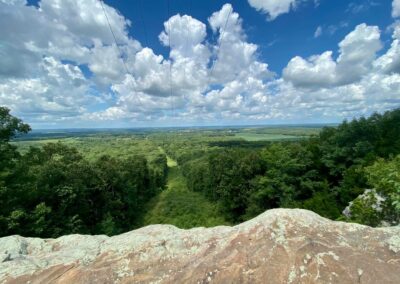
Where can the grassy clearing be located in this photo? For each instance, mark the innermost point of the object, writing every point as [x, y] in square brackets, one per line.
[170, 162]
[266, 137]
[276, 133]
[181, 207]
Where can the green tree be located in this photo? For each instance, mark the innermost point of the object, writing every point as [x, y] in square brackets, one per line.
[384, 177]
[10, 126]
[382, 202]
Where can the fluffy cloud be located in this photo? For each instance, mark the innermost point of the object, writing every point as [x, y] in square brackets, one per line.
[85, 19]
[234, 69]
[236, 57]
[156, 78]
[66, 30]
[275, 8]
[186, 36]
[59, 63]
[356, 83]
[390, 61]
[357, 54]
[42, 47]
[396, 8]
[316, 71]
[59, 92]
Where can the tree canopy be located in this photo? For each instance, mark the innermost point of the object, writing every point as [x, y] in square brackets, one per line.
[55, 189]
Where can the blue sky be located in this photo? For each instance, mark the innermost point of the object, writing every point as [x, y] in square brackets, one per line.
[287, 61]
[288, 35]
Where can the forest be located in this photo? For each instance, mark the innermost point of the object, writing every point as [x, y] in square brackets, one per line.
[113, 182]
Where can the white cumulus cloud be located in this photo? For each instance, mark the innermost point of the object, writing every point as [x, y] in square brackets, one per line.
[357, 52]
[274, 8]
[59, 64]
[396, 8]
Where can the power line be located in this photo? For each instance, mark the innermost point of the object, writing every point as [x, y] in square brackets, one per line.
[186, 47]
[187, 39]
[119, 50]
[115, 39]
[170, 59]
[222, 33]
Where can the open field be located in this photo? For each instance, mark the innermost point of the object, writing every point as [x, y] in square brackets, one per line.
[276, 133]
[267, 137]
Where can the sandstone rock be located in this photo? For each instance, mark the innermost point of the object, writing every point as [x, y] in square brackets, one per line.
[279, 246]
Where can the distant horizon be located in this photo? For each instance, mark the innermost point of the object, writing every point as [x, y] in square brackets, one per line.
[188, 126]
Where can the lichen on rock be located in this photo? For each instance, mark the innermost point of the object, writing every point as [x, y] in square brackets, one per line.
[279, 246]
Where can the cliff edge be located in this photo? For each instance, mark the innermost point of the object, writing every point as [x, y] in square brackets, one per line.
[279, 246]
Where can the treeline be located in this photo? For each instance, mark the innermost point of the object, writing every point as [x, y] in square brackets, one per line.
[53, 190]
[322, 174]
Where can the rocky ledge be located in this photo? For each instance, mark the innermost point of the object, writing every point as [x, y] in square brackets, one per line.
[279, 246]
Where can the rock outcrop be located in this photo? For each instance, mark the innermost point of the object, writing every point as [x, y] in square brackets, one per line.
[279, 246]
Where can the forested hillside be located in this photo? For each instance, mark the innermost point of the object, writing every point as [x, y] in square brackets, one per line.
[108, 186]
[53, 190]
[322, 174]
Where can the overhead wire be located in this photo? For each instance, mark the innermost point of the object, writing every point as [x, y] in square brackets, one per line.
[187, 39]
[113, 35]
[170, 59]
[214, 63]
[186, 47]
[119, 50]
[222, 33]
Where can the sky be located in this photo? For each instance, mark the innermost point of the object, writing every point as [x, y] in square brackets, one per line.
[141, 63]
